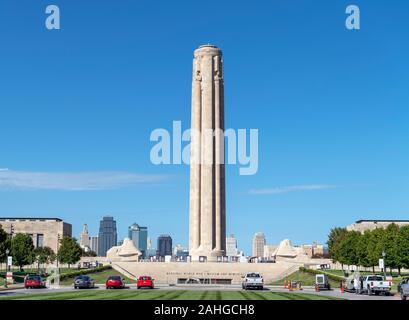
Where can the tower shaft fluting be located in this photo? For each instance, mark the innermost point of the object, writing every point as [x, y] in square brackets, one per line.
[207, 236]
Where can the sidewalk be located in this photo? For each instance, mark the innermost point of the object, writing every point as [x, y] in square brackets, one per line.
[12, 287]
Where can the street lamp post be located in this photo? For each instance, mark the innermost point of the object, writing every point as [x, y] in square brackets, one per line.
[7, 268]
[384, 264]
[7, 255]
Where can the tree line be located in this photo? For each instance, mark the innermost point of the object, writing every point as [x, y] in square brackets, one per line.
[21, 248]
[365, 249]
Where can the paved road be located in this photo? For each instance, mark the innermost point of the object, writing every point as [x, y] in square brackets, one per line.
[333, 293]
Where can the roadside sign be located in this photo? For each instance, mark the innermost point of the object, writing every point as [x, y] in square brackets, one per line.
[9, 277]
[381, 264]
[9, 261]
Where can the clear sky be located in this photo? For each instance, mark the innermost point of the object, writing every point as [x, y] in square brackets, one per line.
[77, 107]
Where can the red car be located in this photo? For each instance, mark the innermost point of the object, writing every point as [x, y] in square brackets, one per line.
[34, 282]
[115, 282]
[144, 282]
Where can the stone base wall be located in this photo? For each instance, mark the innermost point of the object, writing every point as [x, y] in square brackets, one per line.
[169, 272]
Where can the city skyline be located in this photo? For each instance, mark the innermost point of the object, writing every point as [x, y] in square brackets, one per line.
[330, 106]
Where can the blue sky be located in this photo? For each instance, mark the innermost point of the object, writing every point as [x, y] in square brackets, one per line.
[77, 107]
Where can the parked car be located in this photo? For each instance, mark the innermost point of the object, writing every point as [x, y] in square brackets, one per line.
[403, 288]
[83, 281]
[322, 282]
[144, 282]
[34, 281]
[349, 284]
[373, 284]
[354, 283]
[115, 282]
[252, 280]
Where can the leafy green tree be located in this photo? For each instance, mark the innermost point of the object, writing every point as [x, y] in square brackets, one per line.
[354, 248]
[375, 247]
[390, 246]
[334, 240]
[362, 249]
[403, 245]
[44, 255]
[348, 248]
[4, 245]
[89, 253]
[22, 250]
[69, 252]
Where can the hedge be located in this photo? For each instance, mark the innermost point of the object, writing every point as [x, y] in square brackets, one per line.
[330, 276]
[81, 272]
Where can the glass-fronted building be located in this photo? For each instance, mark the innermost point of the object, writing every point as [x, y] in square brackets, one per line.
[139, 236]
[107, 237]
[164, 246]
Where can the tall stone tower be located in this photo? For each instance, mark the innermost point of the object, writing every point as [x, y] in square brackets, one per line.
[84, 237]
[207, 236]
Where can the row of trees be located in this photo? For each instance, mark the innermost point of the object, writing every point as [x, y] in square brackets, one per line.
[365, 249]
[21, 248]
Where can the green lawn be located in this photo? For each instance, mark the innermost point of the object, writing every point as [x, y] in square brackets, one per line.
[17, 276]
[368, 271]
[167, 295]
[338, 273]
[99, 277]
[307, 279]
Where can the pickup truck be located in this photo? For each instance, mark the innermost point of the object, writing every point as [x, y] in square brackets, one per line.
[403, 289]
[252, 280]
[375, 285]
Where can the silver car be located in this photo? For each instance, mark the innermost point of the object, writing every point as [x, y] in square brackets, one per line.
[404, 289]
[252, 280]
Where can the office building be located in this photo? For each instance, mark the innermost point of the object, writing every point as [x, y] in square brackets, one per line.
[231, 246]
[107, 237]
[45, 232]
[93, 243]
[259, 241]
[363, 225]
[164, 246]
[84, 237]
[139, 236]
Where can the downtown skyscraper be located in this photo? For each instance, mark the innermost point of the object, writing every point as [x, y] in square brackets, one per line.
[107, 237]
[164, 246]
[259, 241]
[139, 236]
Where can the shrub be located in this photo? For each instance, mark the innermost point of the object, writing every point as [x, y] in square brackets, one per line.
[330, 276]
[84, 271]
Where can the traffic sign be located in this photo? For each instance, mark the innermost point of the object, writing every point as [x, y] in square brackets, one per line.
[9, 261]
[9, 277]
[381, 264]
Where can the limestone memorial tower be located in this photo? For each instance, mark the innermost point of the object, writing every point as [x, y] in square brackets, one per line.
[207, 234]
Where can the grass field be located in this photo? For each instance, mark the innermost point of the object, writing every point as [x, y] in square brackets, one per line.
[167, 295]
[99, 277]
[307, 279]
[17, 276]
